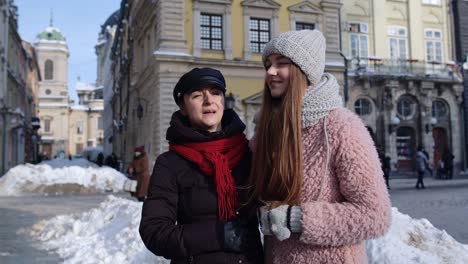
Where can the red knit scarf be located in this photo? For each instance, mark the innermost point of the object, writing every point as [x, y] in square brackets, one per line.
[216, 158]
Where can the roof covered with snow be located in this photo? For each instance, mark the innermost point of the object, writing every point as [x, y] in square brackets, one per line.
[82, 86]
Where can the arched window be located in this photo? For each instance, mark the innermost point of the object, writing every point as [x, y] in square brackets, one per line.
[439, 109]
[363, 107]
[406, 107]
[49, 70]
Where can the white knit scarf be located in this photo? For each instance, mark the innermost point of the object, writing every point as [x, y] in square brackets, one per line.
[320, 99]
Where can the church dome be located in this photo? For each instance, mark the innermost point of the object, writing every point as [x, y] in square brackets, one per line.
[111, 21]
[51, 34]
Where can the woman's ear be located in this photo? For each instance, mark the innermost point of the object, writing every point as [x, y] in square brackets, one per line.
[182, 110]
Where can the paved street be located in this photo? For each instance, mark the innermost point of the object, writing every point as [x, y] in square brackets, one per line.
[443, 203]
[19, 213]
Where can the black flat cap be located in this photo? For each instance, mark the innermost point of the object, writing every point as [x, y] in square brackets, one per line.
[197, 78]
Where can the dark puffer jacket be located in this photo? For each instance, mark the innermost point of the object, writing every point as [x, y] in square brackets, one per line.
[180, 216]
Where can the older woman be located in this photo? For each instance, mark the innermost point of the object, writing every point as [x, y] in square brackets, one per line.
[195, 212]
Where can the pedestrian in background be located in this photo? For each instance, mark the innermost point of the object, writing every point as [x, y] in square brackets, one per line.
[421, 166]
[139, 171]
[447, 159]
[100, 159]
[315, 165]
[386, 167]
[195, 211]
[112, 161]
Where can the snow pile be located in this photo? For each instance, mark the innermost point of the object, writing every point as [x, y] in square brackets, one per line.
[109, 234]
[60, 176]
[415, 241]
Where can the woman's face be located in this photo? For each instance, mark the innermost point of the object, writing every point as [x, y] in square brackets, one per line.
[204, 108]
[277, 74]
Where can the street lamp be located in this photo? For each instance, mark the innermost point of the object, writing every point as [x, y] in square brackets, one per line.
[394, 122]
[229, 102]
[139, 111]
[431, 123]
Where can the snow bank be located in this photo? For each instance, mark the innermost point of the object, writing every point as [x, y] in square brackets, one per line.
[60, 176]
[109, 234]
[415, 241]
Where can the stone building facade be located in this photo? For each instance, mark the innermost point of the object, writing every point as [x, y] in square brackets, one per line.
[460, 28]
[17, 85]
[402, 78]
[66, 128]
[104, 78]
[158, 41]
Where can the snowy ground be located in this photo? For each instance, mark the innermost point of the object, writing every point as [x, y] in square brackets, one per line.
[108, 233]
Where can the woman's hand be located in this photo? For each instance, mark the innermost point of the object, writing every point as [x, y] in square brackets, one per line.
[280, 221]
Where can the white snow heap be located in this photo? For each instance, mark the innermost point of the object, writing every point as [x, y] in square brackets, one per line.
[109, 234]
[61, 176]
[415, 241]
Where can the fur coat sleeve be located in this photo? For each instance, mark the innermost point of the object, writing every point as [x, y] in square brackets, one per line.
[363, 209]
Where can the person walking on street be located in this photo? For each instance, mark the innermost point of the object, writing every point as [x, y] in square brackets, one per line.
[447, 159]
[138, 169]
[196, 208]
[421, 166]
[386, 166]
[315, 165]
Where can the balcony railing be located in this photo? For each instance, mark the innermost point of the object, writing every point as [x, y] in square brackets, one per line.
[408, 67]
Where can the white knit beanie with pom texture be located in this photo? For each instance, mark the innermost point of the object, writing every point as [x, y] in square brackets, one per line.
[306, 48]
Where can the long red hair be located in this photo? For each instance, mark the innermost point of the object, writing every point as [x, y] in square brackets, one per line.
[276, 171]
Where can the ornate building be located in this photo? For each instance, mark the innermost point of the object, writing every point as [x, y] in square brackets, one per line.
[158, 41]
[460, 22]
[65, 128]
[403, 80]
[18, 81]
[104, 78]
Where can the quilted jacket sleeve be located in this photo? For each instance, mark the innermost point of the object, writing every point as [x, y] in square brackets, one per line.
[365, 211]
[158, 228]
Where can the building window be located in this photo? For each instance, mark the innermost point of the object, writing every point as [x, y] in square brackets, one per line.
[99, 123]
[431, 2]
[303, 26]
[259, 34]
[79, 148]
[211, 32]
[79, 127]
[398, 42]
[47, 125]
[359, 39]
[405, 108]
[433, 39]
[48, 91]
[48, 70]
[363, 107]
[439, 109]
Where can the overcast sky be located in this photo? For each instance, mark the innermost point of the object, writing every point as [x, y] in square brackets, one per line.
[78, 20]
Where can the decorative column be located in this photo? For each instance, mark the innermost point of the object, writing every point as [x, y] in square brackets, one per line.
[391, 120]
[427, 123]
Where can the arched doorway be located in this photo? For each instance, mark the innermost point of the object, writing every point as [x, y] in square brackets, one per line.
[406, 148]
[440, 144]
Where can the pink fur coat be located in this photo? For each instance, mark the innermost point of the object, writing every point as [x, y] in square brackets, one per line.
[354, 204]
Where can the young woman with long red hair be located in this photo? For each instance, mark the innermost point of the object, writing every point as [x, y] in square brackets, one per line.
[315, 165]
